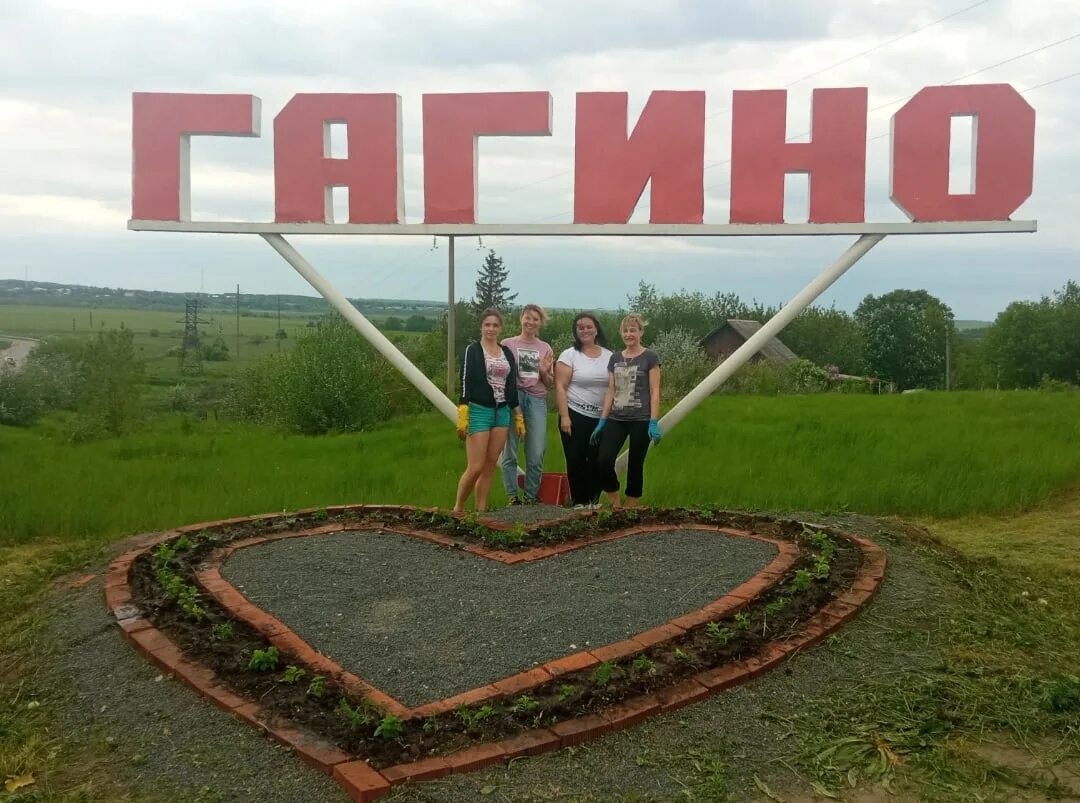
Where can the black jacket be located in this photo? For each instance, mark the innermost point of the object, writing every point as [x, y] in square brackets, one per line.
[474, 384]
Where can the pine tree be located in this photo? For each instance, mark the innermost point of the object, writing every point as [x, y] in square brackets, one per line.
[491, 289]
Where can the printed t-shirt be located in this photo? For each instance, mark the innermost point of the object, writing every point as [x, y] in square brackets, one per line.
[529, 353]
[632, 386]
[588, 382]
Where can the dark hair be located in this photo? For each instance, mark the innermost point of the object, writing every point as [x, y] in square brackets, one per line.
[489, 312]
[600, 339]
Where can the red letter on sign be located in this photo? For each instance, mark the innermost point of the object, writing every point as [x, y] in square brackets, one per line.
[1003, 149]
[835, 157]
[304, 173]
[162, 125]
[667, 146]
[452, 122]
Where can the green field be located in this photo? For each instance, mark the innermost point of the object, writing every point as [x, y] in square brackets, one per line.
[994, 475]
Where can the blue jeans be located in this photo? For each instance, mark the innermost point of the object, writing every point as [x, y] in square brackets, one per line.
[534, 411]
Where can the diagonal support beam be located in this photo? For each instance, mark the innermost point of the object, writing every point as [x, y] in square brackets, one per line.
[770, 329]
[365, 327]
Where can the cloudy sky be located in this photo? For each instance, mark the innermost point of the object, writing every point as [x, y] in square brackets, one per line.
[68, 68]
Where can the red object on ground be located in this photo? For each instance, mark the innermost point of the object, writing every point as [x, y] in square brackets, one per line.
[554, 488]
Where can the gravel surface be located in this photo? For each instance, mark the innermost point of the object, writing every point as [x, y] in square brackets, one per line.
[423, 622]
[168, 744]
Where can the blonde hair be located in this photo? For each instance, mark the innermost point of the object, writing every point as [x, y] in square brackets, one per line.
[633, 319]
[537, 309]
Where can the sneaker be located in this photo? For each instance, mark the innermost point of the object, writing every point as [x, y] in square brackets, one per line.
[528, 500]
[581, 507]
[514, 500]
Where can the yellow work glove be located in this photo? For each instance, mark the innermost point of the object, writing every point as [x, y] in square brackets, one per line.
[462, 420]
[519, 423]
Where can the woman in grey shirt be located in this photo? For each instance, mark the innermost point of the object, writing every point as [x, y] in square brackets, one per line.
[631, 409]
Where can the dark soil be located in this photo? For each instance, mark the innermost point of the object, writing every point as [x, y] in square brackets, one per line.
[354, 730]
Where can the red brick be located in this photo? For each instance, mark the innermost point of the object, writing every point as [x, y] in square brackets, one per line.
[530, 743]
[692, 619]
[571, 663]
[195, 675]
[582, 729]
[313, 749]
[223, 698]
[288, 641]
[150, 640]
[134, 624]
[659, 635]
[426, 769]
[630, 712]
[168, 658]
[866, 584]
[470, 697]
[522, 681]
[723, 677]
[617, 651]
[361, 782]
[249, 712]
[473, 758]
[117, 596]
[684, 693]
[725, 606]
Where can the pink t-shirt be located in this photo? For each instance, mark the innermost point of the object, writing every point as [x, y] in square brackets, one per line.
[529, 354]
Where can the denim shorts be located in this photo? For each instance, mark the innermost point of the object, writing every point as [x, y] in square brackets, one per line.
[482, 419]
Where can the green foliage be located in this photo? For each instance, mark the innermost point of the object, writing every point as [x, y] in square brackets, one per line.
[524, 704]
[491, 289]
[684, 363]
[693, 312]
[1032, 340]
[643, 665]
[356, 718]
[721, 635]
[905, 333]
[332, 381]
[317, 687]
[604, 673]
[802, 581]
[390, 727]
[471, 718]
[392, 324]
[680, 655]
[264, 660]
[566, 691]
[827, 336]
[293, 674]
[742, 621]
[108, 385]
[222, 632]
[1060, 694]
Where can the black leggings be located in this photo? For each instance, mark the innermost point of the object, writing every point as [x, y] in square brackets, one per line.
[582, 463]
[612, 439]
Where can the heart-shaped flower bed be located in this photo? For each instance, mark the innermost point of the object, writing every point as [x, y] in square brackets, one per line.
[173, 603]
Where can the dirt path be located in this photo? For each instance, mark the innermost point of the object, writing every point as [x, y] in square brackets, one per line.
[15, 354]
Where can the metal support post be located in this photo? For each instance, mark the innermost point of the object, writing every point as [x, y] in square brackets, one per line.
[363, 325]
[770, 329]
[451, 365]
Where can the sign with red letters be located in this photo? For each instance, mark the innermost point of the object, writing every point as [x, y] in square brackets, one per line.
[614, 158]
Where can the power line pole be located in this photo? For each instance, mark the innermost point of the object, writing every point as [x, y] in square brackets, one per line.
[238, 323]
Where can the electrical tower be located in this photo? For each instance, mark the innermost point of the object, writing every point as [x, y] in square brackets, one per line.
[190, 352]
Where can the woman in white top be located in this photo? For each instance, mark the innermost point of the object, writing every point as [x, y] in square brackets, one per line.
[581, 381]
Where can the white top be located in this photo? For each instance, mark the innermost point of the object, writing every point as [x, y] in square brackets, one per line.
[589, 382]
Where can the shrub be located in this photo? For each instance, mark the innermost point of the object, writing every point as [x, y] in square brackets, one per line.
[684, 363]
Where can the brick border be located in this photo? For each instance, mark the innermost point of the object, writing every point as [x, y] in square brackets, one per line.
[361, 781]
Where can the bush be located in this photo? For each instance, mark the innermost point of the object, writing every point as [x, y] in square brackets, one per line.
[1051, 385]
[20, 400]
[108, 385]
[773, 377]
[332, 381]
[684, 364]
[180, 399]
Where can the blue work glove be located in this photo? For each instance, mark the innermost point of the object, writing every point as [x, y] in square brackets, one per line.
[655, 433]
[595, 437]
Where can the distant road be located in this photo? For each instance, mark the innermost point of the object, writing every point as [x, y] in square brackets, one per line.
[18, 351]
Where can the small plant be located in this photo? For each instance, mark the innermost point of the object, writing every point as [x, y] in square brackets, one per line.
[603, 674]
[742, 621]
[643, 665]
[776, 606]
[317, 687]
[822, 569]
[320, 515]
[471, 719]
[602, 516]
[264, 660]
[802, 581]
[222, 632]
[566, 691]
[390, 727]
[472, 519]
[721, 635]
[182, 544]
[355, 718]
[525, 705]
[431, 725]
[680, 655]
[706, 513]
[293, 674]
